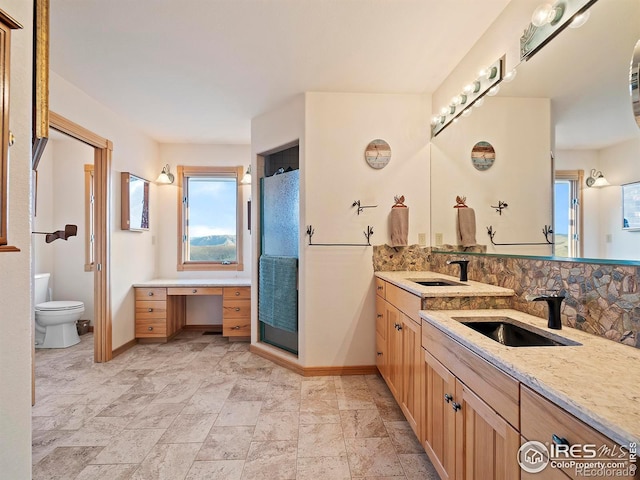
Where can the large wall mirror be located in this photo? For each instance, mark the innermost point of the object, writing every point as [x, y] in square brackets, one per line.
[567, 113]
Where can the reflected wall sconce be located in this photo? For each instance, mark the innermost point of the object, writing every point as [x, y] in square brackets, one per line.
[165, 177]
[549, 20]
[246, 179]
[596, 179]
[471, 95]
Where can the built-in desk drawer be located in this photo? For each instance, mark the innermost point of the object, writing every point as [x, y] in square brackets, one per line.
[151, 309]
[236, 327]
[239, 293]
[194, 291]
[143, 293]
[237, 309]
[151, 327]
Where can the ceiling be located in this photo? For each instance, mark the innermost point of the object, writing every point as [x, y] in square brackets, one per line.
[197, 71]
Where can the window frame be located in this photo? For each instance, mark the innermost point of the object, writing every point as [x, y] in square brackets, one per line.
[185, 172]
[576, 223]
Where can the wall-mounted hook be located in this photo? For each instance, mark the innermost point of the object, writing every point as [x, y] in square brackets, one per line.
[501, 205]
[69, 231]
[362, 207]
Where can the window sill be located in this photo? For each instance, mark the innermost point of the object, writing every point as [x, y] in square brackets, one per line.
[9, 248]
[190, 267]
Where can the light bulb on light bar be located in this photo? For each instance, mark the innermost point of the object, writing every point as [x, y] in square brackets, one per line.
[493, 90]
[444, 111]
[509, 76]
[580, 19]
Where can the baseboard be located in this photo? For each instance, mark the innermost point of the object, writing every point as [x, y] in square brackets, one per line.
[280, 359]
[203, 328]
[123, 348]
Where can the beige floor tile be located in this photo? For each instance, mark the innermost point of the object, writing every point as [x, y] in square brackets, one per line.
[98, 432]
[107, 472]
[369, 457]
[226, 443]
[156, 416]
[168, 461]
[188, 429]
[318, 468]
[217, 469]
[321, 440]
[357, 399]
[131, 446]
[403, 438]
[64, 463]
[176, 393]
[238, 413]
[276, 426]
[248, 390]
[417, 466]
[362, 424]
[45, 442]
[280, 398]
[270, 460]
[127, 405]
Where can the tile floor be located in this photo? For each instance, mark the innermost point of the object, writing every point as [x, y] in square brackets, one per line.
[200, 407]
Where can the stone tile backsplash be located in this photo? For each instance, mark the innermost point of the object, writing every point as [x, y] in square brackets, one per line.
[602, 299]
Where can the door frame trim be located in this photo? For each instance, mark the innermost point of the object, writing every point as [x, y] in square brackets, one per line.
[103, 148]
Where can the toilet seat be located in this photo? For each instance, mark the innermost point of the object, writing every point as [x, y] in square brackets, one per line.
[59, 306]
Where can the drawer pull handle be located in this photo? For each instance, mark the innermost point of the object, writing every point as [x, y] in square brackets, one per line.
[398, 327]
[456, 406]
[150, 329]
[149, 310]
[559, 440]
[237, 294]
[380, 287]
[237, 309]
[379, 354]
[237, 327]
[379, 315]
[150, 294]
[448, 397]
[195, 290]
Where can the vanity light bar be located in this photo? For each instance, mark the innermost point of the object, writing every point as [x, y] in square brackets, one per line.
[561, 14]
[487, 79]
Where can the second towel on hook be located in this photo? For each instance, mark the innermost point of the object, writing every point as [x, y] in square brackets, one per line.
[466, 227]
[399, 226]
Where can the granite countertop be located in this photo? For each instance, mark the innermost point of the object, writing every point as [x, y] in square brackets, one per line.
[596, 381]
[195, 282]
[470, 288]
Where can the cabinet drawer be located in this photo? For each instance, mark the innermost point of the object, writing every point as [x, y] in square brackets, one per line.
[488, 382]
[380, 287]
[151, 327]
[541, 419]
[151, 309]
[237, 293]
[194, 291]
[406, 302]
[151, 293]
[236, 327]
[381, 321]
[236, 309]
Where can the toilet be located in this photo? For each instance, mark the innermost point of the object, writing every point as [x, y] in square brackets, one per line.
[55, 320]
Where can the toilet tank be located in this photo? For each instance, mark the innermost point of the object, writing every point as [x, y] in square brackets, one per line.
[41, 281]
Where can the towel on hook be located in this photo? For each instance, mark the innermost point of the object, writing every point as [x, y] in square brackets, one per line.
[399, 226]
[466, 227]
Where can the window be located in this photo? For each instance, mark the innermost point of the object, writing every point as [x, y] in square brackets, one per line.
[568, 214]
[210, 218]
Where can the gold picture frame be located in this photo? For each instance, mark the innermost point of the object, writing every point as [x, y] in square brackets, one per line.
[40, 80]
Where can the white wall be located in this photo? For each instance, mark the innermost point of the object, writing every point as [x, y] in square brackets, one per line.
[340, 298]
[520, 177]
[200, 310]
[133, 254]
[16, 317]
[61, 201]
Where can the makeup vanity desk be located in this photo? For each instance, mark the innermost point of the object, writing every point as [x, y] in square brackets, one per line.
[161, 306]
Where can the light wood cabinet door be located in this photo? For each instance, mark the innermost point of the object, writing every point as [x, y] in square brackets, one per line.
[412, 373]
[438, 421]
[381, 337]
[488, 443]
[394, 347]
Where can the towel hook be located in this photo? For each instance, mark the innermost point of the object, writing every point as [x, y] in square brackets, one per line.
[69, 231]
[362, 207]
[501, 205]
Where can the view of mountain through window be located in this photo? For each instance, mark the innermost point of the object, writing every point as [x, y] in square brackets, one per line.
[211, 219]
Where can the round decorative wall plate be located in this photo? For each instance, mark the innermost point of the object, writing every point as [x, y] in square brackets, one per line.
[483, 155]
[378, 153]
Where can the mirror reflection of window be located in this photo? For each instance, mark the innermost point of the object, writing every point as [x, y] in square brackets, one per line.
[567, 218]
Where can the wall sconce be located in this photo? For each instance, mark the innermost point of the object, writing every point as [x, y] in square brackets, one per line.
[165, 177]
[549, 20]
[246, 179]
[486, 83]
[596, 179]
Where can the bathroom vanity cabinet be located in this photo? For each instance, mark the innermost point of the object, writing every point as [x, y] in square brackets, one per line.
[161, 307]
